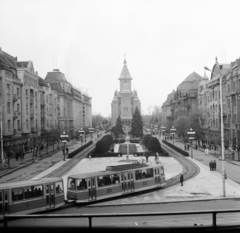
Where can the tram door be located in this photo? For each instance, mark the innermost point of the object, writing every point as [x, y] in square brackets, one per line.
[4, 202]
[92, 188]
[157, 176]
[50, 195]
[127, 182]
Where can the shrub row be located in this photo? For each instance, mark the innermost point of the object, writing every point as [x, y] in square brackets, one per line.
[183, 152]
[135, 140]
[71, 154]
[118, 141]
[106, 154]
[104, 144]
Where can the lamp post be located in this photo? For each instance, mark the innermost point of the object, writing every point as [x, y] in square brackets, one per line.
[1, 125]
[173, 130]
[222, 129]
[64, 138]
[191, 134]
[162, 130]
[81, 132]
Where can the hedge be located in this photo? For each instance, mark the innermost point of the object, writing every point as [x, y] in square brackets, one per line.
[106, 154]
[183, 152]
[71, 154]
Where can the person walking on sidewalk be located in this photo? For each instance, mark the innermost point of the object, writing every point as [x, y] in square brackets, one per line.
[207, 151]
[211, 165]
[181, 179]
[214, 165]
[67, 150]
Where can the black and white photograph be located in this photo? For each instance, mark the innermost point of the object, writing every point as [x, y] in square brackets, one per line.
[119, 116]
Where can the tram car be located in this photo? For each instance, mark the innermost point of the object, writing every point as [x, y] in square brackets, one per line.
[115, 181]
[30, 196]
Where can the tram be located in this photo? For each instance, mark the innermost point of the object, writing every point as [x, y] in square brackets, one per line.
[115, 181]
[30, 196]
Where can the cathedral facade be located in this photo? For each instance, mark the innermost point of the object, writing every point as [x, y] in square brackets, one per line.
[125, 101]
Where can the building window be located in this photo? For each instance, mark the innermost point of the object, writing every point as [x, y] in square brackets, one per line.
[9, 125]
[26, 94]
[8, 107]
[8, 89]
[27, 126]
[18, 125]
[26, 109]
[18, 92]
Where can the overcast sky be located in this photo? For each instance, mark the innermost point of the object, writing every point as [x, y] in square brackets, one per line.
[164, 42]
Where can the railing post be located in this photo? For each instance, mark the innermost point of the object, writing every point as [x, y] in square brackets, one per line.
[5, 224]
[90, 223]
[214, 216]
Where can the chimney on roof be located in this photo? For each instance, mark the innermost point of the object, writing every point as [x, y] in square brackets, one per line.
[56, 70]
[16, 58]
[36, 73]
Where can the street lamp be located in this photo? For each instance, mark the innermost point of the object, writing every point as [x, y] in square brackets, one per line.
[222, 131]
[162, 130]
[1, 125]
[173, 130]
[64, 138]
[191, 134]
[81, 132]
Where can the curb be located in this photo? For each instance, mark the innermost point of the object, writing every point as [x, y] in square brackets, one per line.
[164, 202]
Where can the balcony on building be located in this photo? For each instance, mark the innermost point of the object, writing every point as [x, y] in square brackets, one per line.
[15, 97]
[42, 102]
[33, 129]
[232, 92]
[15, 115]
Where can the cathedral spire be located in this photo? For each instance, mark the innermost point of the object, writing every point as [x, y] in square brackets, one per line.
[125, 62]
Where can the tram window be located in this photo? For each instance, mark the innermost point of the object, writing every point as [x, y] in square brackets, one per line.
[116, 179]
[93, 182]
[81, 184]
[107, 180]
[71, 183]
[162, 171]
[1, 198]
[17, 194]
[59, 187]
[129, 176]
[6, 195]
[100, 181]
[150, 172]
[138, 174]
[155, 171]
[33, 191]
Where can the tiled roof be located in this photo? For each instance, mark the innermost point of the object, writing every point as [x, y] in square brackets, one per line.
[7, 59]
[41, 82]
[55, 76]
[22, 64]
[125, 72]
[56, 87]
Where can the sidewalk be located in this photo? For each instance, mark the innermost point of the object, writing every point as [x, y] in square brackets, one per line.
[31, 167]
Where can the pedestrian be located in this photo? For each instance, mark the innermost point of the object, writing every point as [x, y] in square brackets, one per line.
[185, 147]
[196, 147]
[63, 150]
[188, 146]
[214, 165]
[67, 150]
[210, 165]
[207, 151]
[181, 179]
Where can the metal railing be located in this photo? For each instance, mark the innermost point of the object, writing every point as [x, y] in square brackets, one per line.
[214, 213]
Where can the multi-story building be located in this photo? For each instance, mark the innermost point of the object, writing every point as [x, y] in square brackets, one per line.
[185, 99]
[33, 108]
[167, 118]
[125, 101]
[74, 107]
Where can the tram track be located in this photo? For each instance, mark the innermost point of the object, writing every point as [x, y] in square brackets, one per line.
[72, 162]
[190, 169]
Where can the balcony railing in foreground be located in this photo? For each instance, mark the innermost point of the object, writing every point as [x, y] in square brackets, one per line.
[214, 227]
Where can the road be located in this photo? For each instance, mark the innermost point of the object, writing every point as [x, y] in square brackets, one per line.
[178, 220]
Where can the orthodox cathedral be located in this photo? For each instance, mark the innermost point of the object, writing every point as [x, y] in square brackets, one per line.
[125, 101]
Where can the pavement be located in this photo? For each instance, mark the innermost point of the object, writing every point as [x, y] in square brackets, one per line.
[47, 162]
[207, 185]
